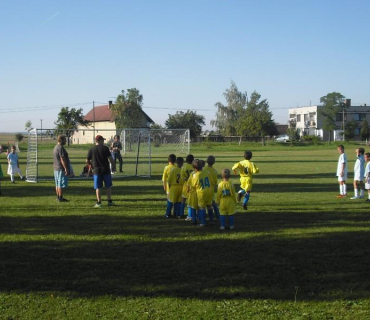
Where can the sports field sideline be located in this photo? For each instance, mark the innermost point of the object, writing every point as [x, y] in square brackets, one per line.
[297, 253]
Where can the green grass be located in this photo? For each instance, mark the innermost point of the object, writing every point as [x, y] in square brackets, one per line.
[297, 253]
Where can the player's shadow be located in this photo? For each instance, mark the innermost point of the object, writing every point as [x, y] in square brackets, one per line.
[131, 256]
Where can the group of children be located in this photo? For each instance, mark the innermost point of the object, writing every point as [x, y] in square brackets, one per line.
[13, 166]
[194, 181]
[360, 173]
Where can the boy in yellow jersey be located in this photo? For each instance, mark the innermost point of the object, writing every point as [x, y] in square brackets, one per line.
[201, 184]
[226, 197]
[166, 171]
[1, 176]
[246, 170]
[175, 187]
[211, 160]
[192, 200]
[186, 171]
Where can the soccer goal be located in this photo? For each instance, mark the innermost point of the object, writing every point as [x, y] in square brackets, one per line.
[140, 147]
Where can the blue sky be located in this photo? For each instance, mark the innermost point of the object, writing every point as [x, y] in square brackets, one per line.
[180, 54]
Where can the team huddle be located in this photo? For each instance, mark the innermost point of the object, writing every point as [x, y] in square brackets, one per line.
[360, 173]
[194, 183]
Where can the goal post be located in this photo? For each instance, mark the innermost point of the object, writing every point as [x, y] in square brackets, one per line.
[139, 147]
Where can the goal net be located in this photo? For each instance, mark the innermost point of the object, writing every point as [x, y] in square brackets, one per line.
[140, 147]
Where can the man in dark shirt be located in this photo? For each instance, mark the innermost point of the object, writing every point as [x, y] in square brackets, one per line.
[117, 147]
[61, 167]
[99, 158]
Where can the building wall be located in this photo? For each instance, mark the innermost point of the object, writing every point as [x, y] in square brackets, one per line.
[85, 135]
[309, 121]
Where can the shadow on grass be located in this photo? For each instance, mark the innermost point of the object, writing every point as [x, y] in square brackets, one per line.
[251, 262]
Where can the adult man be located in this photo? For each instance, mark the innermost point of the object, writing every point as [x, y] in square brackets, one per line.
[99, 158]
[117, 147]
[61, 167]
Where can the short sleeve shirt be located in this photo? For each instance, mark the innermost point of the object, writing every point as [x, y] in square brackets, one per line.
[58, 153]
[342, 159]
[99, 155]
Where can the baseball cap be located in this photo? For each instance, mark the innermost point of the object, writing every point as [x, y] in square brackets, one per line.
[99, 137]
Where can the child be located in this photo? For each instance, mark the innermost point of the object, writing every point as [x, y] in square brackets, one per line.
[342, 172]
[246, 170]
[359, 171]
[367, 176]
[175, 188]
[211, 160]
[171, 163]
[202, 186]
[192, 199]
[227, 200]
[1, 177]
[13, 165]
[186, 171]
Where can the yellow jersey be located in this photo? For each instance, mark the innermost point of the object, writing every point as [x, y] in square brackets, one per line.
[226, 197]
[201, 184]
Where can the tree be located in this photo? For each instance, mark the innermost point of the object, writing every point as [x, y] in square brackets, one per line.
[28, 125]
[332, 103]
[364, 133]
[257, 119]
[188, 119]
[228, 115]
[349, 132]
[19, 137]
[128, 109]
[69, 119]
[156, 126]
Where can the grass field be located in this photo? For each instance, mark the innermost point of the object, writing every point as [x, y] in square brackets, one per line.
[297, 253]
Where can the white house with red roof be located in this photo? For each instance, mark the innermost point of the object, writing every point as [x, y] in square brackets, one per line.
[102, 122]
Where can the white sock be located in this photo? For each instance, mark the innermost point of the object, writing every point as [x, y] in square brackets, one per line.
[344, 189]
[12, 177]
[362, 193]
[356, 193]
[340, 189]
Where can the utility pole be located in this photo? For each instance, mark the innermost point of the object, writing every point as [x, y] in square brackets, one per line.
[41, 128]
[343, 124]
[93, 122]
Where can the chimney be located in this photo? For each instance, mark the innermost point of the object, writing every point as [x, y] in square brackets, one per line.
[347, 102]
[109, 104]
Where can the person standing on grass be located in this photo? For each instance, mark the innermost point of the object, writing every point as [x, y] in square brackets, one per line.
[211, 160]
[342, 172]
[175, 185]
[117, 147]
[166, 171]
[367, 176]
[13, 164]
[246, 170]
[99, 158]
[62, 167]
[226, 197]
[1, 177]
[359, 171]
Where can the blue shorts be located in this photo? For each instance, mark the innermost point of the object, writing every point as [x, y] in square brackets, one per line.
[99, 178]
[61, 180]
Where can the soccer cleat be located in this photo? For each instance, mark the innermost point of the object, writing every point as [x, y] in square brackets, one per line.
[63, 200]
[166, 216]
[202, 225]
[361, 197]
[231, 227]
[98, 205]
[239, 197]
[245, 207]
[340, 196]
[187, 219]
[354, 198]
[222, 228]
[110, 203]
[367, 200]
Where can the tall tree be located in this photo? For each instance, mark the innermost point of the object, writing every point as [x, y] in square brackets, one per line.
[68, 120]
[349, 132]
[186, 120]
[332, 103]
[364, 133]
[128, 109]
[257, 119]
[227, 116]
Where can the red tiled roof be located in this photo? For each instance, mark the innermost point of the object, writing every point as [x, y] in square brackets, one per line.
[103, 113]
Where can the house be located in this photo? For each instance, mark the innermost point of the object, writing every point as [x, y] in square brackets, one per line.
[308, 120]
[102, 122]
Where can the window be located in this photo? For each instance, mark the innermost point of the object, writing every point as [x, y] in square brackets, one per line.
[360, 116]
[339, 117]
[298, 118]
[305, 117]
[357, 131]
